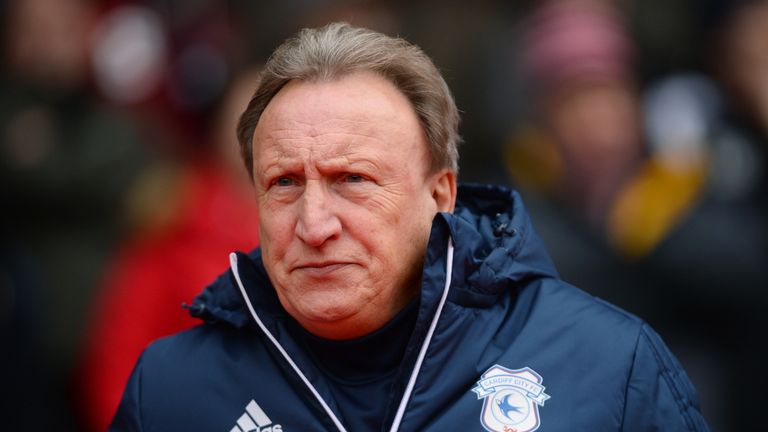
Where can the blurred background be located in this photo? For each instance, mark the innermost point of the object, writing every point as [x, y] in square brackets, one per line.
[636, 131]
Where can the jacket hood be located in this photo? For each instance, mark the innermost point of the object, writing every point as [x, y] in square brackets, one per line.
[495, 248]
[495, 243]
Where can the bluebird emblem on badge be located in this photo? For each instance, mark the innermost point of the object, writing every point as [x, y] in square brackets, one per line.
[511, 399]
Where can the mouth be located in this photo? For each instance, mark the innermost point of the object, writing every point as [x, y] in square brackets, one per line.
[321, 269]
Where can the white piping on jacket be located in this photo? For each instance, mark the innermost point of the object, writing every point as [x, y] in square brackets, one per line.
[233, 263]
[419, 360]
[427, 340]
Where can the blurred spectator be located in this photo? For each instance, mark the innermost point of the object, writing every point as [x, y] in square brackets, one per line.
[211, 213]
[672, 195]
[583, 145]
[580, 58]
[67, 163]
[720, 252]
[167, 63]
[742, 60]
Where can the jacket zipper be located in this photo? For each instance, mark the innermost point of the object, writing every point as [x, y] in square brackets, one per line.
[424, 346]
[336, 422]
[419, 360]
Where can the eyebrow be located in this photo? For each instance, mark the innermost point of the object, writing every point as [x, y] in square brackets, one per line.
[286, 163]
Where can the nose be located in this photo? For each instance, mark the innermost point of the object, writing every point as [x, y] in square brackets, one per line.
[317, 222]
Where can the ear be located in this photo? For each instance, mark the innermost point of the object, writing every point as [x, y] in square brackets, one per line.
[444, 190]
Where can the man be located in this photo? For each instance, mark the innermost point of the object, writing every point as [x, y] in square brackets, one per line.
[382, 297]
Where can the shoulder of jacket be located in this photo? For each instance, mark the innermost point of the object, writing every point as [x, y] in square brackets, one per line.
[658, 385]
[197, 344]
[577, 306]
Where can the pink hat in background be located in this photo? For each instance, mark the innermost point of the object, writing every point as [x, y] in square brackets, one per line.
[567, 41]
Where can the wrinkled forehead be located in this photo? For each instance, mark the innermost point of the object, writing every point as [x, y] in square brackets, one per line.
[359, 111]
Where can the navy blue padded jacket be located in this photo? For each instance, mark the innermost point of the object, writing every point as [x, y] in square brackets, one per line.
[500, 344]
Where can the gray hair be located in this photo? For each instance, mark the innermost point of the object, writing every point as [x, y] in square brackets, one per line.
[339, 49]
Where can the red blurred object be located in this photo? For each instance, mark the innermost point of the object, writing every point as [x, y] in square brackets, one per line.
[151, 277]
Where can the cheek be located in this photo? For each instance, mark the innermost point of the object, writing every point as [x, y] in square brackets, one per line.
[408, 226]
[275, 231]
[420, 209]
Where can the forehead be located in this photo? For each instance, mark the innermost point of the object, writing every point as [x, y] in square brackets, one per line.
[351, 112]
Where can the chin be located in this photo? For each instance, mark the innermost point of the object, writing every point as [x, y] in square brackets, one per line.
[322, 307]
[328, 314]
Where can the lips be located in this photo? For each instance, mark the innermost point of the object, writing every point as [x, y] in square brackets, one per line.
[321, 269]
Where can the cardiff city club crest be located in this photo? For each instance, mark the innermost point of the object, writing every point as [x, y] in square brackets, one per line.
[512, 399]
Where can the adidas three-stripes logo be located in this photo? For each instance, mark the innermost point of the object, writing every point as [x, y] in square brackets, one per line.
[255, 420]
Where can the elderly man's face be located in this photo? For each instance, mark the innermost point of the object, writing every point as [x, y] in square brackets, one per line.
[346, 201]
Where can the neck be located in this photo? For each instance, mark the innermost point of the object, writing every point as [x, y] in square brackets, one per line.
[367, 321]
[371, 356]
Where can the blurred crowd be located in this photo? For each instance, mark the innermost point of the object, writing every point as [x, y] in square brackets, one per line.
[637, 132]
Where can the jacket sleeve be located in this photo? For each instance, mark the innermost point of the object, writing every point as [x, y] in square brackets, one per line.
[128, 415]
[659, 395]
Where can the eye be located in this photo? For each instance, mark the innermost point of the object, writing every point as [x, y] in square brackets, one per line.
[353, 178]
[284, 181]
